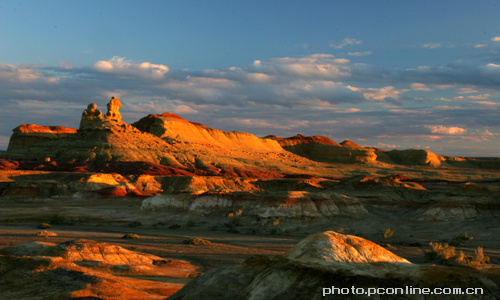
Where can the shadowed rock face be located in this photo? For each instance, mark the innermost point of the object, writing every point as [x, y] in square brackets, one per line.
[326, 260]
[301, 139]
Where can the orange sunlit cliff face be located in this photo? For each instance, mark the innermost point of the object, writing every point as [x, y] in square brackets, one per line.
[169, 140]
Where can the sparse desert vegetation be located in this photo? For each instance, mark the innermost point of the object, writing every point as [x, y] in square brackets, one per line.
[448, 255]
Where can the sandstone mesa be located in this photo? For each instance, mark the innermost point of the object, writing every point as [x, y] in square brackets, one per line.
[169, 140]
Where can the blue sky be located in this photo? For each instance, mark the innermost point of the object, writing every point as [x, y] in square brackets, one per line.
[389, 74]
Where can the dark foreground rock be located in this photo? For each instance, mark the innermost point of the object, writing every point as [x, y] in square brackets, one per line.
[325, 261]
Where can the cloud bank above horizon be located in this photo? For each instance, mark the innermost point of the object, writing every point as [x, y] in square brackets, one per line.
[445, 108]
[393, 75]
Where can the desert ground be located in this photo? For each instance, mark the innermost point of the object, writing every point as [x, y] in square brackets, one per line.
[70, 196]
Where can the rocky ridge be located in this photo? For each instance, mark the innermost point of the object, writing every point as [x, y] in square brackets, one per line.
[169, 140]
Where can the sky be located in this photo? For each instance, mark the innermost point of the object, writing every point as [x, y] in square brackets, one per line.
[386, 74]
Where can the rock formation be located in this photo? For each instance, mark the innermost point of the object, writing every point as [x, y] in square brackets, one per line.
[325, 260]
[415, 157]
[302, 139]
[103, 255]
[175, 129]
[113, 110]
[90, 116]
[295, 205]
[323, 149]
[82, 269]
[30, 134]
[350, 144]
[329, 247]
[169, 140]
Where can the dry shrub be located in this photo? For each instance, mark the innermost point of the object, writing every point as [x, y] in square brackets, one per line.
[447, 254]
[196, 241]
[44, 226]
[130, 236]
[387, 233]
[442, 251]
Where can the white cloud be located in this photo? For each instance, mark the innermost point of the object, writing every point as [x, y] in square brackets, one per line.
[432, 45]
[65, 66]
[313, 94]
[346, 42]
[313, 66]
[382, 145]
[440, 129]
[479, 46]
[18, 73]
[419, 87]
[466, 91]
[487, 103]
[283, 124]
[120, 66]
[496, 39]
[366, 53]
[473, 97]
[377, 93]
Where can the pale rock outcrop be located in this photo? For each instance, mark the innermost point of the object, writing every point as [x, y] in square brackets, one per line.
[327, 247]
[90, 116]
[113, 110]
[448, 211]
[292, 204]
